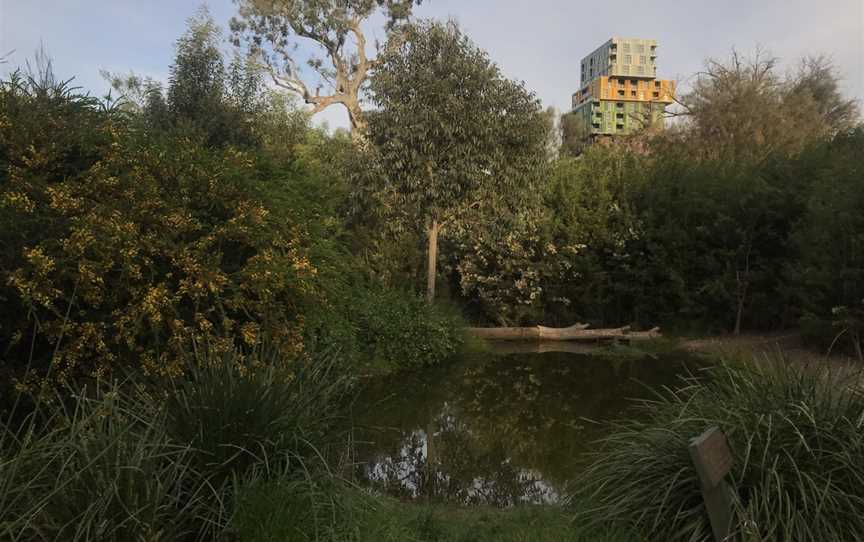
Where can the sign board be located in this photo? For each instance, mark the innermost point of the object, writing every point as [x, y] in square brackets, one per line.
[713, 461]
[711, 456]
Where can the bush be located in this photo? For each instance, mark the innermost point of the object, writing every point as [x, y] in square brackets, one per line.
[398, 330]
[104, 469]
[122, 247]
[797, 438]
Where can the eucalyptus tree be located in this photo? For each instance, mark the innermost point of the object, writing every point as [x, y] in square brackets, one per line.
[452, 137]
[279, 32]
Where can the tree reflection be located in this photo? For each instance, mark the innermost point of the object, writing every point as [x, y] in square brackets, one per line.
[499, 430]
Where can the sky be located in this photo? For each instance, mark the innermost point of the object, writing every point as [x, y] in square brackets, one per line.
[540, 41]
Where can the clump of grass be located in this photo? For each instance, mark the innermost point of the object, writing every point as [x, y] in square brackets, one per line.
[238, 410]
[161, 461]
[797, 437]
[101, 469]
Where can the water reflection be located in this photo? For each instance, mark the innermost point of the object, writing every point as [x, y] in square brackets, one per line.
[498, 429]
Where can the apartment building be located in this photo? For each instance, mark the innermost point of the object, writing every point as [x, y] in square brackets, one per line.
[620, 93]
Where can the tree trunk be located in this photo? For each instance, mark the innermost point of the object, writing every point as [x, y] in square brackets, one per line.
[433, 261]
[358, 122]
[738, 316]
[743, 284]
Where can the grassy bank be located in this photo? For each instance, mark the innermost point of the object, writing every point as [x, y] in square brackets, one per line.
[279, 512]
[796, 432]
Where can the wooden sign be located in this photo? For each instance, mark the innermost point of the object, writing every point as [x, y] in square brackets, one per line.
[713, 461]
[711, 456]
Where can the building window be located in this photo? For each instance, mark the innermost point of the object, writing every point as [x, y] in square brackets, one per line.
[619, 105]
[642, 59]
[657, 84]
[596, 125]
[626, 47]
[640, 48]
[620, 93]
[628, 59]
[656, 94]
[633, 93]
[641, 70]
[634, 81]
[620, 115]
[619, 126]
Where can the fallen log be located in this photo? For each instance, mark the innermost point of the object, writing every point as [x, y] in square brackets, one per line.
[577, 332]
[535, 333]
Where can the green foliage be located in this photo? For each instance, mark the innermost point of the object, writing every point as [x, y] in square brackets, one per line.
[829, 239]
[240, 411]
[451, 132]
[157, 461]
[502, 263]
[796, 437]
[104, 468]
[158, 243]
[453, 140]
[593, 232]
[742, 217]
[399, 330]
[222, 103]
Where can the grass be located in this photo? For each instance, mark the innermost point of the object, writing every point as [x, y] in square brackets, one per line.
[302, 510]
[797, 438]
[238, 411]
[102, 469]
[161, 461]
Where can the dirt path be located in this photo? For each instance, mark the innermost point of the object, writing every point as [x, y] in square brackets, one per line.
[785, 345]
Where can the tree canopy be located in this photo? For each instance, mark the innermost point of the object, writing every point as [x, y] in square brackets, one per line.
[451, 133]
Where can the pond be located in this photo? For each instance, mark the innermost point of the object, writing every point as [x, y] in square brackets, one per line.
[500, 428]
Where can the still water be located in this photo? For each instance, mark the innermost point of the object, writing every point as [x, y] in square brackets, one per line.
[500, 428]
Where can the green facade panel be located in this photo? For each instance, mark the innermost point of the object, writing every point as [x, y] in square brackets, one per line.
[608, 117]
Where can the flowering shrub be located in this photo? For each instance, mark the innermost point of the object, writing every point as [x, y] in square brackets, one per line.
[120, 246]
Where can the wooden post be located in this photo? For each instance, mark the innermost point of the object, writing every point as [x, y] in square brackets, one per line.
[713, 461]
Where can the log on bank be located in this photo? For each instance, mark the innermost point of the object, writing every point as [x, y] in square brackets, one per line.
[576, 332]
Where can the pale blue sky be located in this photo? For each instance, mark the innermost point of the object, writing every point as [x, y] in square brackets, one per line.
[540, 41]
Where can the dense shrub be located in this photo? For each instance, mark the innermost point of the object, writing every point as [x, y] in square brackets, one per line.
[826, 279]
[152, 242]
[797, 437]
[399, 330]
